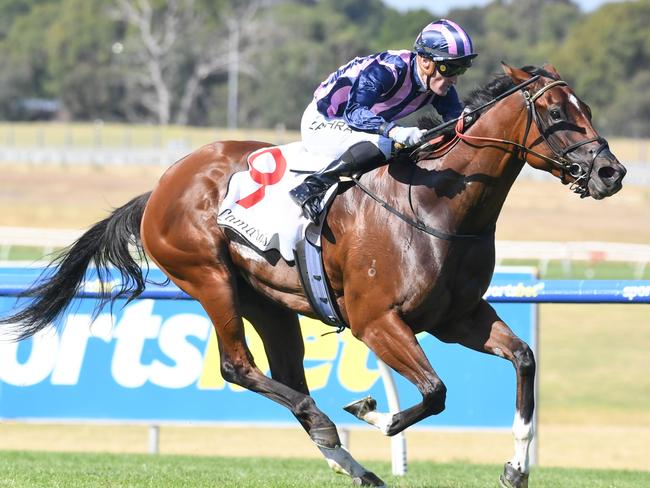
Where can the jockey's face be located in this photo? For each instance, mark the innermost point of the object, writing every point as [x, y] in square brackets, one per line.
[440, 85]
[437, 83]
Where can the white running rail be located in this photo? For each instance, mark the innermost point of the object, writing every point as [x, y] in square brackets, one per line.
[541, 251]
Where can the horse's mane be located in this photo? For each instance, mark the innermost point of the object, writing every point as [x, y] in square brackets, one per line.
[481, 95]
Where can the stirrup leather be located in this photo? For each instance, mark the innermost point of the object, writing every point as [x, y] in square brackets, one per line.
[312, 208]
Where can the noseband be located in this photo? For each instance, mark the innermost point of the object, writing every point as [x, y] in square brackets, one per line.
[581, 176]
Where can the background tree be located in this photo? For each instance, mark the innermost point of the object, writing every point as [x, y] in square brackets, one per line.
[259, 61]
[173, 47]
[80, 43]
[24, 70]
[607, 59]
[295, 69]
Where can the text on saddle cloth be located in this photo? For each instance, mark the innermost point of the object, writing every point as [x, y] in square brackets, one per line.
[257, 205]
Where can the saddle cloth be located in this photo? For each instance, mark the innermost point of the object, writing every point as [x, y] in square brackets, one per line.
[257, 205]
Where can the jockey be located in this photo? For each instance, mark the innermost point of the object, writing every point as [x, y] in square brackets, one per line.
[351, 119]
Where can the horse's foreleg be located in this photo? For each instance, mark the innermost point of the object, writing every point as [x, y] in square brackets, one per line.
[395, 344]
[484, 331]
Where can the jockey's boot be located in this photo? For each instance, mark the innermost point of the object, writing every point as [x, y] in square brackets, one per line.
[358, 159]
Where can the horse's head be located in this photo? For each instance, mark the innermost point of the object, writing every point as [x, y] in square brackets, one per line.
[561, 137]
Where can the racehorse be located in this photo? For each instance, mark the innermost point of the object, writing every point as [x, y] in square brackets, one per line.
[422, 267]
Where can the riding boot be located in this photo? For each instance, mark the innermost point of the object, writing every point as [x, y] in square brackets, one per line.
[358, 159]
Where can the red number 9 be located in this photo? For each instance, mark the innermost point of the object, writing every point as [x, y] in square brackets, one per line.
[264, 179]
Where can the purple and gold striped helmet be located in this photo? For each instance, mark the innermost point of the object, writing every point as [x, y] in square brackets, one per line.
[444, 40]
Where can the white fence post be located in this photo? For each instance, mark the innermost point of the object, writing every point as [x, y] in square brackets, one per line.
[154, 439]
[398, 441]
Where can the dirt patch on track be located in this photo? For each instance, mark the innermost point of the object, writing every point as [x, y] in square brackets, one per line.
[549, 211]
[68, 197]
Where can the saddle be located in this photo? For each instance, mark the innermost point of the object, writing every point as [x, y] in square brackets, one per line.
[257, 208]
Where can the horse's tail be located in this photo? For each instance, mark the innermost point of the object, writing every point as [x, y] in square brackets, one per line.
[106, 244]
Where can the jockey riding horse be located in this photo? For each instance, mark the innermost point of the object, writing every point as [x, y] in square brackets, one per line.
[351, 119]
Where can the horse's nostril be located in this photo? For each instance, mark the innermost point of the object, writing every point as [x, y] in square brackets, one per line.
[606, 172]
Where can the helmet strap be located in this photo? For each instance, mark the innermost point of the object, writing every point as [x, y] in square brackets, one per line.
[428, 72]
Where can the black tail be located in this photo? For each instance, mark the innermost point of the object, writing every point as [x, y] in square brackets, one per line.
[105, 244]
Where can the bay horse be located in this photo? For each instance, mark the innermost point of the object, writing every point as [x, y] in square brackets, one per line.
[424, 267]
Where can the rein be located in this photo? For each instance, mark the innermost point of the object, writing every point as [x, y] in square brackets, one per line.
[467, 116]
[421, 225]
[417, 148]
[581, 177]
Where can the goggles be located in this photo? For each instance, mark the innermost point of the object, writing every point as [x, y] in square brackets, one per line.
[450, 69]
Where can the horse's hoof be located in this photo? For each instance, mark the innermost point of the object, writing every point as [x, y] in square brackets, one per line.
[361, 407]
[513, 478]
[368, 479]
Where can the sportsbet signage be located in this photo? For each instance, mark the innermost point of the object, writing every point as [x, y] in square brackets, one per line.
[159, 360]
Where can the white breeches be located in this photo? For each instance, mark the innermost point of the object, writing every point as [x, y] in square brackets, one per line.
[332, 137]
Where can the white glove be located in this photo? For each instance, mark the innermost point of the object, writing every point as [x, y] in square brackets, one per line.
[407, 136]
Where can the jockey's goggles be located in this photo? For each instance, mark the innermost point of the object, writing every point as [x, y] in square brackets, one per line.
[448, 69]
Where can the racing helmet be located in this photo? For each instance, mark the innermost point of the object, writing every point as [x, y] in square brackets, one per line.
[444, 40]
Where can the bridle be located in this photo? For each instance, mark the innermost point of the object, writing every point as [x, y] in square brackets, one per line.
[560, 161]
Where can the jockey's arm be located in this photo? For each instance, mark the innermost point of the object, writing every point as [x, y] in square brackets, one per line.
[371, 84]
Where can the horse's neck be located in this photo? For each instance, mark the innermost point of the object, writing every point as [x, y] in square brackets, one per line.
[470, 183]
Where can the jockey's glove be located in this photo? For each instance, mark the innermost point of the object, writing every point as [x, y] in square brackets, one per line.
[406, 136]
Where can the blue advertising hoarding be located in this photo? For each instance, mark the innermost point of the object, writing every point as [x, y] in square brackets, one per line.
[157, 360]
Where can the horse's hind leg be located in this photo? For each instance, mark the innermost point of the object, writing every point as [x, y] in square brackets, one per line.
[284, 346]
[484, 331]
[218, 296]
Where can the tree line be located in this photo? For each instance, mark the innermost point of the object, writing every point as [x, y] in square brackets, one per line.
[256, 63]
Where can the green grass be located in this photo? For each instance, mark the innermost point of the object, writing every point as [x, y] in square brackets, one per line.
[33, 469]
[593, 364]
[29, 254]
[556, 270]
[128, 135]
[583, 270]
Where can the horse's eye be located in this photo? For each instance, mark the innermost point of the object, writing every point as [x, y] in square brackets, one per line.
[555, 114]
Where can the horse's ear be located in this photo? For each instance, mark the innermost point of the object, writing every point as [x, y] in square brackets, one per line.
[551, 69]
[517, 75]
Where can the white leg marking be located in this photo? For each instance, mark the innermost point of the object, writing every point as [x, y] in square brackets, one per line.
[523, 433]
[380, 420]
[341, 462]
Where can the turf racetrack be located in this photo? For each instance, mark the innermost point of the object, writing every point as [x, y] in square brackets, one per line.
[19, 469]
[594, 402]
